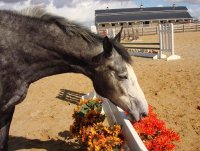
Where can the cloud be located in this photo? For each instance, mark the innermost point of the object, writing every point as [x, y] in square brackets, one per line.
[195, 12]
[192, 5]
[12, 1]
[37, 2]
[61, 3]
[15, 5]
[76, 10]
[185, 1]
[83, 10]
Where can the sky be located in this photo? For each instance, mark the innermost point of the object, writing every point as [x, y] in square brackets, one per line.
[82, 11]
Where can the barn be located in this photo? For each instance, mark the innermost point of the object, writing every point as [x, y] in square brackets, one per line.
[140, 17]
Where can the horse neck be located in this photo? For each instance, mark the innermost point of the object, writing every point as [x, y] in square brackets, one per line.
[66, 64]
[73, 55]
[45, 50]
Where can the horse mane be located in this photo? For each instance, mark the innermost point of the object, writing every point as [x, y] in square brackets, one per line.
[68, 27]
[33, 11]
[72, 29]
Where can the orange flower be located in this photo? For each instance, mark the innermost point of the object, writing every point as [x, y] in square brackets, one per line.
[154, 133]
[88, 127]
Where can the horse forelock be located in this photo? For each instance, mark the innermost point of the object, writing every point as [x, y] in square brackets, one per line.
[123, 52]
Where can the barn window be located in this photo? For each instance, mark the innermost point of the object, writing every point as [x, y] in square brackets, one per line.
[121, 24]
[103, 25]
[146, 22]
[130, 23]
[113, 24]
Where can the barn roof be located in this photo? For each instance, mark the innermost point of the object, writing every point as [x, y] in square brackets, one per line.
[143, 14]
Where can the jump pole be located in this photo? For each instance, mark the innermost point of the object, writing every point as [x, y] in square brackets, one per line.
[166, 39]
[172, 56]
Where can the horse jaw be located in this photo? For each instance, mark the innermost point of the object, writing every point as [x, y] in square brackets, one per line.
[138, 104]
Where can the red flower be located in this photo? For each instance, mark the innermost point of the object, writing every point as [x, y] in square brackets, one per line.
[154, 133]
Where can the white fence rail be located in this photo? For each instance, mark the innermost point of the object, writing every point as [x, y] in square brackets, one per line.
[166, 44]
[115, 115]
[152, 30]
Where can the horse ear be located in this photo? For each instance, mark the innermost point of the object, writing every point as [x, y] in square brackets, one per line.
[107, 46]
[118, 36]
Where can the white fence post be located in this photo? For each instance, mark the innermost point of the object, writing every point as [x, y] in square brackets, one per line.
[111, 32]
[166, 38]
[162, 43]
[172, 38]
[171, 34]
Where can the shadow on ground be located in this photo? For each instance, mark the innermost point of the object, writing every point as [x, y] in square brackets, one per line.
[20, 143]
[69, 96]
[65, 143]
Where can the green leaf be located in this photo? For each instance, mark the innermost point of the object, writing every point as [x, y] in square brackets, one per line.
[85, 107]
[99, 108]
[115, 148]
[91, 104]
[81, 114]
[84, 110]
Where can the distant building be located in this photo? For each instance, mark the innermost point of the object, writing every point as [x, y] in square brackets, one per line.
[129, 17]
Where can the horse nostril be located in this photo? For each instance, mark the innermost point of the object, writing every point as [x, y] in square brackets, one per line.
[143, 114]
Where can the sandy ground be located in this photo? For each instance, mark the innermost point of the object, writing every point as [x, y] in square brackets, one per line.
[42, 121]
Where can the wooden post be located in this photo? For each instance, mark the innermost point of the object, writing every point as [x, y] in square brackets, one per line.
[142, 32]
[183, 28]
[196, 26]
[156, 30]
[124, 34]
[128, 34]
[137, 34]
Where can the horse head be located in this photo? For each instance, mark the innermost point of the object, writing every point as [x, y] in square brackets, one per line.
[114, 78]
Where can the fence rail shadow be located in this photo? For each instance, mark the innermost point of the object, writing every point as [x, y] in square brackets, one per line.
[69, 96]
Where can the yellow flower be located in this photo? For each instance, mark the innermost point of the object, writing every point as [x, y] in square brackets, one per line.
[92, 132]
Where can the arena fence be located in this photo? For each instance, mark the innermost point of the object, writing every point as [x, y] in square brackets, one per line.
[133, 33]
[156, 50]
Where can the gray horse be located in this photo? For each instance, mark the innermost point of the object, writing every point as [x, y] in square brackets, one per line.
[40, 44]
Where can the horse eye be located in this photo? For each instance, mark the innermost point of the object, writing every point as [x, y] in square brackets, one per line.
[123, 76]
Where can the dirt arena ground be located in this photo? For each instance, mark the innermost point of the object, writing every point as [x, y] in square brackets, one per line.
[42, 121]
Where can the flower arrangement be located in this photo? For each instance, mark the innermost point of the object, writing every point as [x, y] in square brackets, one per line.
[88, 127]
[154, 133]
[99, 137]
